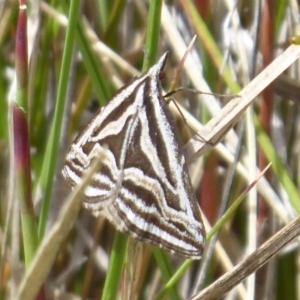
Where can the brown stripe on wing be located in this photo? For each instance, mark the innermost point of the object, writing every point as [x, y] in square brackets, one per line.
[175, 228]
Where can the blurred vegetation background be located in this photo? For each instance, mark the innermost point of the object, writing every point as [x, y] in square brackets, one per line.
[74, 68]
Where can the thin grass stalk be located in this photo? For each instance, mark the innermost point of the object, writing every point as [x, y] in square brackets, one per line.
[267, 100]
[265, 116]
[113, 23]
[277, 165]
[152, 37]
[166, 271]
[38, 119]
[50, 159]
[91, 62]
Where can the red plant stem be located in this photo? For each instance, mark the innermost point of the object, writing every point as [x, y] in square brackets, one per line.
[21, 143]
[266, 108]
[22, 158]
[210, 188]
[22, 57]
[266, 113]
[203, 8]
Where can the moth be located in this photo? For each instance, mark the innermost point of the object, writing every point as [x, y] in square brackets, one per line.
[143, 187]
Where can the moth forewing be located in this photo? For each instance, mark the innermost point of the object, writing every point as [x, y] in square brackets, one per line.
[143, 187]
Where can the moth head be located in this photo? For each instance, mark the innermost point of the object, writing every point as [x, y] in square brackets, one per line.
[158, 69]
